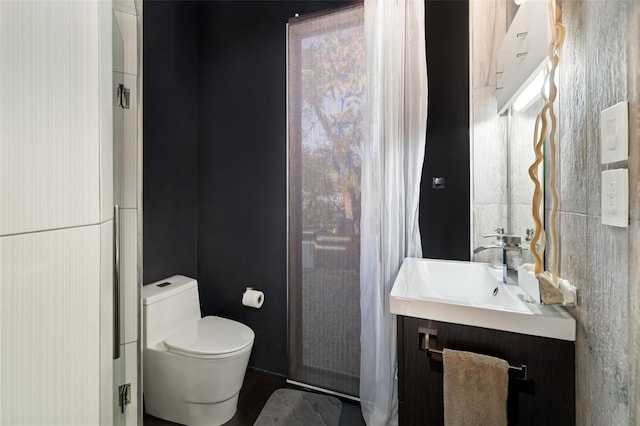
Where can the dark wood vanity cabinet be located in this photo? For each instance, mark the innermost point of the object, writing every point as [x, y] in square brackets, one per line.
[547, 397]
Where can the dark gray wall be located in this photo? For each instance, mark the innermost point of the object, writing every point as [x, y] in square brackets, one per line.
[242, 205]
[444, 213]
[170, 128]
[215, 160]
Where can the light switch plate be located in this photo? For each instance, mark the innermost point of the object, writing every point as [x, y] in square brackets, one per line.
[615, 198]
[614, 133]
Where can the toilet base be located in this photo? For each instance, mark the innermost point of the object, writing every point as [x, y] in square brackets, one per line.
[192, 414]
[193, 391]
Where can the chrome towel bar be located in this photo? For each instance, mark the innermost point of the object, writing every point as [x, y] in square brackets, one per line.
[428, 339]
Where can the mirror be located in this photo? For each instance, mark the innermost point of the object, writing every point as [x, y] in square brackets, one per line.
[513, 188]
[520, 156]
[502, 144]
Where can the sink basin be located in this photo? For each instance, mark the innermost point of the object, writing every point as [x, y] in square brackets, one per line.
[472, 293]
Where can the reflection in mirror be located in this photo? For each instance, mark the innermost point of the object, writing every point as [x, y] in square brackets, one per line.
[520, 156]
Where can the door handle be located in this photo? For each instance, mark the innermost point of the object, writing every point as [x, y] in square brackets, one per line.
[116, 282]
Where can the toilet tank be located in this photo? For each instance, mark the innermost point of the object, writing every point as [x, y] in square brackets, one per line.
[167, 305]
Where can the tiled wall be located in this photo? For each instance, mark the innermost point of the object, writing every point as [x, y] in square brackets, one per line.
[55, 179]
[600, 66]
[633, 90]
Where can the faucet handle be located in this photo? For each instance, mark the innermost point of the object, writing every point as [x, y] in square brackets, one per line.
[507, 240]
[499, 236]
[499, 232]
[530, 233]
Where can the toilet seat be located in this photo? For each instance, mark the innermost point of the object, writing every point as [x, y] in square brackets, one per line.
[211, 337]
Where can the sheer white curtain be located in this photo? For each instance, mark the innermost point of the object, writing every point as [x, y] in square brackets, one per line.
[395, 122]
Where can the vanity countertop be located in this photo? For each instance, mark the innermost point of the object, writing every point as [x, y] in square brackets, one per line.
[472, 293]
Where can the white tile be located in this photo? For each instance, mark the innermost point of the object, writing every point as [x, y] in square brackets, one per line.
[127, 24]
[634, 319]
[118, 142]
[572, 107]
[126, 371]
[606, 32]
[583, 404]
[127, 6]
[118, 46]
[522, 154]
[607, 329]
[125, 155]
[131, 376]
[633, 58]
[130, 151]
[106, 323]
[489, 26]
[486, 218]
[49, 104]
[489, 140]
[129, 274]
[521, 219]
[106, 117]
[50, 327]
[118, 379]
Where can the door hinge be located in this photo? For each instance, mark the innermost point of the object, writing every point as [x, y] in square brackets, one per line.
[124, 396]
[124, 95]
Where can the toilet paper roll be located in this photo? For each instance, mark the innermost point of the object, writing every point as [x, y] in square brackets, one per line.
[253, 298]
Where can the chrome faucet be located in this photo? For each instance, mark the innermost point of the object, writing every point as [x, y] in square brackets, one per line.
[507, 243]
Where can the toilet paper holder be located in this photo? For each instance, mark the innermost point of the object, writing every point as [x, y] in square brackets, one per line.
[248, 301]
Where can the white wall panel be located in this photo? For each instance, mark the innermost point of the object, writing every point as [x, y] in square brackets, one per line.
[126, 370]
[118, 142]
[129, 274]
[125, 144]
[128, 29]
[131, 376]
[106, 323]
[127, 6]
[49, 122]
[105, 112]
[50, 327]
[130, 151]
[117, 46]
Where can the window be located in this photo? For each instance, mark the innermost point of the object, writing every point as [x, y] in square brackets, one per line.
[326, 77]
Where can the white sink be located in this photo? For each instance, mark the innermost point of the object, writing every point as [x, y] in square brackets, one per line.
[473, 294]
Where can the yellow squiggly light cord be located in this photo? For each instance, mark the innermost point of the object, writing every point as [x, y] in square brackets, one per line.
[537, 193]
[557, 38]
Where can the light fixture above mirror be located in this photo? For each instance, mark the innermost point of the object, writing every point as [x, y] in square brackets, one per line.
[522, 56]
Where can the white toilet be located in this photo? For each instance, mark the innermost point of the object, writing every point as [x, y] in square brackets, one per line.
[193, 367]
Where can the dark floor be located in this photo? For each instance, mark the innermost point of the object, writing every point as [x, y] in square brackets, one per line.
[255, 392]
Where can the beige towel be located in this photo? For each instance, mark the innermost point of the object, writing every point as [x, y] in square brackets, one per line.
[475, 389]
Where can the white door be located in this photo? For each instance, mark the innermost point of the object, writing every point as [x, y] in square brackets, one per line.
[56, 341]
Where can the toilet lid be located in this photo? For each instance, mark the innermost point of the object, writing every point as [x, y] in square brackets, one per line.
[211, 336]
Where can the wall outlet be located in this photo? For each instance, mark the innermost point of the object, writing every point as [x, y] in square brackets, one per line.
[614, 133]
[615, 198]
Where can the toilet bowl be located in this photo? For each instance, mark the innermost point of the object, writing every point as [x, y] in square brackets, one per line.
[193, 367]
